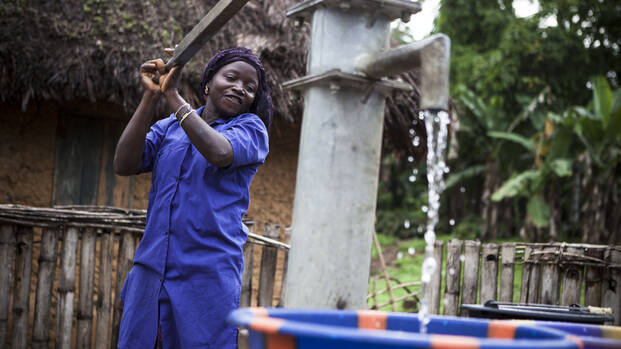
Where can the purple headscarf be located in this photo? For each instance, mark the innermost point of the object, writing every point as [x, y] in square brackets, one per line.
[262, 105]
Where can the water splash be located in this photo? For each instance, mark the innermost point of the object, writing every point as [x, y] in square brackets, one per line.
[436, 124]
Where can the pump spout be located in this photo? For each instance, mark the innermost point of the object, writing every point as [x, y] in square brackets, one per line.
[432, 55]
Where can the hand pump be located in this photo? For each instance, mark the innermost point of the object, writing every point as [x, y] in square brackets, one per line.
[215, 19]
[340, 144]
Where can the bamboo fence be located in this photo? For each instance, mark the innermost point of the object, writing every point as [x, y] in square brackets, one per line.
[552, 273]
[62, 269]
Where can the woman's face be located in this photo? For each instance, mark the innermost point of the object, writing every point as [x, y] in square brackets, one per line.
[233, 88]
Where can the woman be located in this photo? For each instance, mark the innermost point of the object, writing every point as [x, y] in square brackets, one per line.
[187, 269]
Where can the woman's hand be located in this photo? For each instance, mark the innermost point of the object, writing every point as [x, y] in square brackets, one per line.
[148, 72]
[156, 79]
[169, 81]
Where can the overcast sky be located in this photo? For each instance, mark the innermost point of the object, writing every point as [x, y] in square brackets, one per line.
[421, 23]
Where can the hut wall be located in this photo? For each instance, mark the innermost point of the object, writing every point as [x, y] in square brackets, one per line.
[27, 154]
[61, 153]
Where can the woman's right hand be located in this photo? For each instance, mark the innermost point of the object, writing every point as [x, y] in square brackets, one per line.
[148, 71]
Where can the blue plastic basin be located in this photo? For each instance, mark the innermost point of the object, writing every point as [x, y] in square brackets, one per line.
[277, 328]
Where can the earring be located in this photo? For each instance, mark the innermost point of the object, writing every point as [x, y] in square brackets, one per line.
[206, 90]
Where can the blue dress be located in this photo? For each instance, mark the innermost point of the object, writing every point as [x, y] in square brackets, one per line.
[190, 257]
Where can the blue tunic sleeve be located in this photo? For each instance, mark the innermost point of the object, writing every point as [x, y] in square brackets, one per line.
[153, 143]
[248, 137]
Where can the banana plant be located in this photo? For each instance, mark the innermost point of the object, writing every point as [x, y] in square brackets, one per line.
[583, 138]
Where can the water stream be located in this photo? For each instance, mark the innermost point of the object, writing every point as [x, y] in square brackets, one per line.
[436, 124]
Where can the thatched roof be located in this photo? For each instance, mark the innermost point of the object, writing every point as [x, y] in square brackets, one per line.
[66, 50]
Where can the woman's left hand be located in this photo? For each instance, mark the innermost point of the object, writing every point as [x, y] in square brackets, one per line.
[169, 81]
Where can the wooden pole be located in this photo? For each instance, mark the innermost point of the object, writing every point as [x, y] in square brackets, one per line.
[453, 275]
[285, 267]
[85, 298]
[612, 293]
[7, 250]
[572, 279]
[530, 278]
[594, 277]
[550, 277]
[268, 267]
[246, 289]
[489, 272]
[102, 334]
[47, 267]
[384, 271]
[21, 295]
[471, 272]
[127, 248]
[435, 285]
[507, 271]
[66, 289]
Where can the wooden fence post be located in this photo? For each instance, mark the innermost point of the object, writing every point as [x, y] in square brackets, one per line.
[507, 271]
[594, 277]
[47, 267]
[285, 267]
[7, 248]
[550, 280]
[102, 334]
[66, 288]
[127, 247]
[453, 274]
[489, 272]
[85, 295]
[530, 278]
[246, 289]
[21, 295]
[572, 279]
[470, 281]
[612, 293]
[435, 285]
[268, 267]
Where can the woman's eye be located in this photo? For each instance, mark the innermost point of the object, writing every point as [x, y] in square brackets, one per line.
[230, 77]
[250, 88]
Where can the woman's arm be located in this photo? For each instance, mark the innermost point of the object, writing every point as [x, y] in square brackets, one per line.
[129, 149]
[209, 142]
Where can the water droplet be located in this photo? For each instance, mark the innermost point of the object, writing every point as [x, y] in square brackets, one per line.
[451, 271]
[410, 159]
[420, 229]
[411, 251]
[436, 119]
[425, 208]
[412, 179]
[462, 189]
[447, 169]
[416, 141]
[406, 224]
[412, 132]
[415, 171]
[399, 255]
[452, 221]
[462, 258]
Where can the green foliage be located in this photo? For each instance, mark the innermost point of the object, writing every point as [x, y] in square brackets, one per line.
[538, 211]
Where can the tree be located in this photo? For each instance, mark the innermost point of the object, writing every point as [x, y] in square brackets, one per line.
[511, 78]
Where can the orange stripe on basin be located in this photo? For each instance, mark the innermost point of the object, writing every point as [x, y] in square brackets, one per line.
[453, 342]
[611, 332]
[266, 324]
[280, 341]
[501, 329]
[576, 340]
[372, 320]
